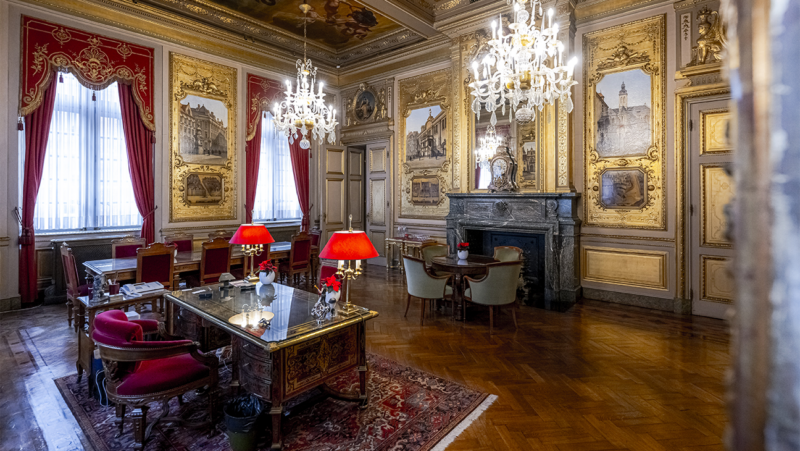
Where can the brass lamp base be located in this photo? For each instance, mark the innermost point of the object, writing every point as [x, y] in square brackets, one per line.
[252, 278]
[348, 310]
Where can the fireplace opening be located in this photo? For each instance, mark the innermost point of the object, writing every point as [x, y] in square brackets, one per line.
[531, 289]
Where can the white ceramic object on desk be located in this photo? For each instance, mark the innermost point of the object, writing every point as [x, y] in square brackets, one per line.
[266, 278]
[333, 296]
[462, 255]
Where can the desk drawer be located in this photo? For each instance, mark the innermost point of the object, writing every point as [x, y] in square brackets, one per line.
[255, 369]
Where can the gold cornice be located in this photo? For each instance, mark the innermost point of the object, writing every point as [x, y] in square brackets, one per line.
[172, 28]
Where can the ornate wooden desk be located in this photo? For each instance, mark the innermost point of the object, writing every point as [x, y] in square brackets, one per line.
[474, 265]
[295, 354]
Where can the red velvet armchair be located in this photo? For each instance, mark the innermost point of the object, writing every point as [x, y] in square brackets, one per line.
[141, 372]
[74, 288]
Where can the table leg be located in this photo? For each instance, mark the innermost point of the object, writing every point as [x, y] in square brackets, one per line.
[362, 365]
[168, 316]
[458, 296]
[386, 253]
[277, 414]
[403, 250]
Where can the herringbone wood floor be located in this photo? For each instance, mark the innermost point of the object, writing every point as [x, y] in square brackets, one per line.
[598, 377]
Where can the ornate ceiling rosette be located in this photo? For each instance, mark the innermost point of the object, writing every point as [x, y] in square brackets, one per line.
[96, 61]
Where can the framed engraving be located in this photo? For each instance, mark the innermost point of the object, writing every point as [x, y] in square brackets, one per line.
[202, 140]
[426, 151]
[623, 188]
[624, 134]
[425, 191]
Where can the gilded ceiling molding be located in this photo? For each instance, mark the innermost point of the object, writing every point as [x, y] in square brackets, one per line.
[625, 147]
[424, 180]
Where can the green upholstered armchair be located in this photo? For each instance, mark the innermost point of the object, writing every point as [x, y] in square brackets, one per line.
[498, 288]
[422, 284]
[507, 253]
[433, 250]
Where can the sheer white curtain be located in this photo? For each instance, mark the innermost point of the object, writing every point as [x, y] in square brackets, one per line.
[276, 196]
[86, 183]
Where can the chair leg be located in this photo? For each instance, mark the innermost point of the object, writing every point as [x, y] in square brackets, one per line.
[139, 417]
[408, 304]
[422, 313]
[69, 313]
[491, 319]
[120, 419]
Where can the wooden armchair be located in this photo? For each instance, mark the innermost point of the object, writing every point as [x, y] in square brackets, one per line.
[498, 288]
[127, 246]
[215, 260]
[183, 241]
[299, 258]
[156, 263]
[142, 372]
[507, 253]
[74, 288]
[422, 284]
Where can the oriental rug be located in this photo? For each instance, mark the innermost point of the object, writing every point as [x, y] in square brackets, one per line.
[408, 410]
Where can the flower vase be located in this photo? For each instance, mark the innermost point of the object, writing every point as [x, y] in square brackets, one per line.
[266, 278]
[462, 255]
[332, 297]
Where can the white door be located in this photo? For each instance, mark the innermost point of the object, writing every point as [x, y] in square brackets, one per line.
[378, 198]
[711, 191]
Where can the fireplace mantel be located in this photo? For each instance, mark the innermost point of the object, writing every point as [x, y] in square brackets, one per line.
[553, 215]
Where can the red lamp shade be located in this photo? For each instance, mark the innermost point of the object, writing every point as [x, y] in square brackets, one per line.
[252, 234]
[353, 245]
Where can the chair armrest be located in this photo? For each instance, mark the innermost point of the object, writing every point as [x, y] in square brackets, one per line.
[148, 350]
[443, 275]
[148, 325]
[476, 279]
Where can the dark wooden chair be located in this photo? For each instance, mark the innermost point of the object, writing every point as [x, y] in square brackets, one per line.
[184, 242]
[215, 260]
[156, 263]
[142, 372]
[126, 247]
[299, 258]
[74, 287]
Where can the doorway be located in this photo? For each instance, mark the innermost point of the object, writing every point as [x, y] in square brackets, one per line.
[344, 189]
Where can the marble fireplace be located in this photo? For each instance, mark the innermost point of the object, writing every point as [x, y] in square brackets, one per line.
[544, 225]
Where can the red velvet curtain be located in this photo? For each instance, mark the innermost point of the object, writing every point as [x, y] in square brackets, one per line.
[37, 131]
[252, 159]
[139, 142]
[300, 170]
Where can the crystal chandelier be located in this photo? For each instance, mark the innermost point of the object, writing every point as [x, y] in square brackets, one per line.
[525, 68]
[303, 111]
[489, 144]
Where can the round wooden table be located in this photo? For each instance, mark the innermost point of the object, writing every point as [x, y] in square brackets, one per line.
[474, 265]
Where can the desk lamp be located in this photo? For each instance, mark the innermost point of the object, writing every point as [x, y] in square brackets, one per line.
[252, 237]
[344, 247]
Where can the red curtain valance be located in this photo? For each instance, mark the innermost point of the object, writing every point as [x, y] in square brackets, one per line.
[96, 61]
[262, 93]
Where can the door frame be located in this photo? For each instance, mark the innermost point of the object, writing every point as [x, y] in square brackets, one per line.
[684, 99]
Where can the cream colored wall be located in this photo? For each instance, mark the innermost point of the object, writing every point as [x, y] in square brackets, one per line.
[10, 17]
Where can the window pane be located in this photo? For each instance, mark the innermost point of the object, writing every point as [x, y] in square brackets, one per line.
[276, 196]
[85, 183]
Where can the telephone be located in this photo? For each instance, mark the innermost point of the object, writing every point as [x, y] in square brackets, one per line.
[138, 289]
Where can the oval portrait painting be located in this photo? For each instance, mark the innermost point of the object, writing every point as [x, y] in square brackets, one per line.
[365, 106]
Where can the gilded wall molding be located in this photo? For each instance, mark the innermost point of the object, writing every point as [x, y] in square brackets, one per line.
[415, 93]
[202, 185]
[625, 148]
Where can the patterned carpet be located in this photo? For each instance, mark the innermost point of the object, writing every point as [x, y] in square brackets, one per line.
[408, 410]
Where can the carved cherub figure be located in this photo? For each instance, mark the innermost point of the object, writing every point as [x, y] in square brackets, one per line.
[711, 42]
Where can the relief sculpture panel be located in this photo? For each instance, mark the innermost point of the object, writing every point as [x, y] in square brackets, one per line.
[625, 141]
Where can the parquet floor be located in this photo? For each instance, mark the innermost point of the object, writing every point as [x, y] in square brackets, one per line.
[598, 377]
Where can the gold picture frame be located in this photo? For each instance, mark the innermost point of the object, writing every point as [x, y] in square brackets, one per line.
[631, 137]
[426, 92]
[202, 141]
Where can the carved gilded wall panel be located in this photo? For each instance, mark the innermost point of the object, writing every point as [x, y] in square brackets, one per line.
[716, 191]
[202, 145]
[426, 149]
[624, 133]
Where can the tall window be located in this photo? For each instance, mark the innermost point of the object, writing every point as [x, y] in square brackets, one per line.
[86, 184]
[276, 196]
